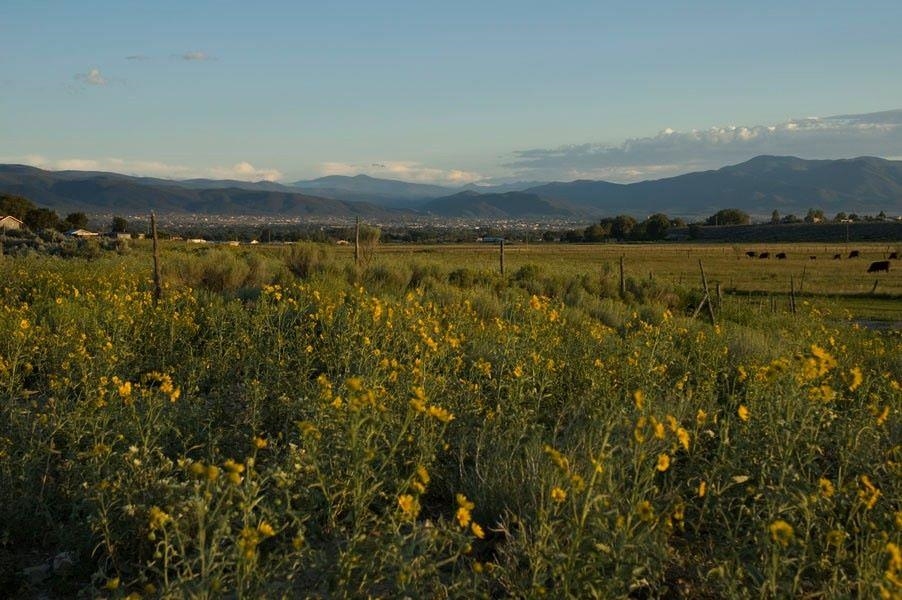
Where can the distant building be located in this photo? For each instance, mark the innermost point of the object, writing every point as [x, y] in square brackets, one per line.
[10, 223]
[118, 235]
[81, 233]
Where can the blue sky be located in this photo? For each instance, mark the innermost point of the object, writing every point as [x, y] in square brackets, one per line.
[447, 92]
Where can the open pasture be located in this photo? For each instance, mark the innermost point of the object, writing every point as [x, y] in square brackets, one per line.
[677, 264]
[839, 284]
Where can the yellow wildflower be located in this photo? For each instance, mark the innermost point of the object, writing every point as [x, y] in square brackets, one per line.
[265, 529]
[409, 505]
[260, 443]
[639, 399]
[441, 414]
[868, 494]
[855, 379]
[702, 489]
[743, 412]
[826, 486]
[157, 517]
[835, 537]
[558, 494]
[683, 437]
[781, 532]
[464, 507]
[477, 530]
[645, 511]
[663, 462]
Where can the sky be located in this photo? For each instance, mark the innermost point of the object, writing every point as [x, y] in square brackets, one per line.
[444, 92]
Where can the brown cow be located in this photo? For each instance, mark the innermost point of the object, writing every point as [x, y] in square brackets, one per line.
[812, 257]
[764, 255]
[781, 255]
[894, 255]
[837, 256]
[751, 254]
[854, 254]
[877, 266]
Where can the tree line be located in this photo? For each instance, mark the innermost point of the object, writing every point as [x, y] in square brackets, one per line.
[37, 218]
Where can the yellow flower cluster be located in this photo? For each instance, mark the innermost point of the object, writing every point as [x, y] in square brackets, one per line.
[419, 404]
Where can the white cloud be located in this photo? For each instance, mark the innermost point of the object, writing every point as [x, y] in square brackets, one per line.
[403, 170]
[245, 171]
[242, 171]
[196, 55]
[92, 77]
[672, 152]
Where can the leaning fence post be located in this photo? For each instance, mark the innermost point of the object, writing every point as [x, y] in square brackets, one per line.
[157, 277]
[792, 294]
[707, 293]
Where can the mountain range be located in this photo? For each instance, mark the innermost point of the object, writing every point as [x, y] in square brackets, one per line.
[757, 186]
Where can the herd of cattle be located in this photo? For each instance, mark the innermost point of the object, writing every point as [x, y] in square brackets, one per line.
[875, 267]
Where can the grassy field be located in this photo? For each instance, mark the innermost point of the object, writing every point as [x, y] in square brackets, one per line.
[835, 284]
[285, 424]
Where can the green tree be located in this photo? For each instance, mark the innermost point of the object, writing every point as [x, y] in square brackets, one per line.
[15, 206]
[597, 232]
[775, 217]
[41, 218]
[728, 216]
[76, 220]
[622, 226]
[814, 215]
[840, 217]
[119, 225]
[656, 226]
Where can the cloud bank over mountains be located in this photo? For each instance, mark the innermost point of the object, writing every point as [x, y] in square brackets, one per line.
[241, 171]
[672, 152]
[666, 154]
[403, 170]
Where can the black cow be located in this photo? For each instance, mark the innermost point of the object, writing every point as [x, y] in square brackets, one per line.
[751, 254]
[764, 255]
[837, 256]
[812, 257]
[877, 266]
[854, 254]
[894, 256]
[781, 255]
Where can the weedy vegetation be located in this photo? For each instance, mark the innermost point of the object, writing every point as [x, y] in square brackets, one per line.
[286, 424]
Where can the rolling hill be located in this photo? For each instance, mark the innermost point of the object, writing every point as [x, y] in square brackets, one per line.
[757, 186]
[790, 185]
[93, 193]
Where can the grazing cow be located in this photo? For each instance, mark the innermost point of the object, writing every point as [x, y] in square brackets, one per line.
[812, 257]
[837, 256]
[764, 255]
[781, 255]
[877, 266]
[854, 254]
[751, 254]
[894, 256]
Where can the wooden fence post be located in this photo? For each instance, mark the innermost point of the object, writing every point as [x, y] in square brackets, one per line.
[501, 255]
[792, 294]
[622, 280]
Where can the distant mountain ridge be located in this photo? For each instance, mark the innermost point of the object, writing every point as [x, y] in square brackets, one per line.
[104, 193]
[757, 186]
